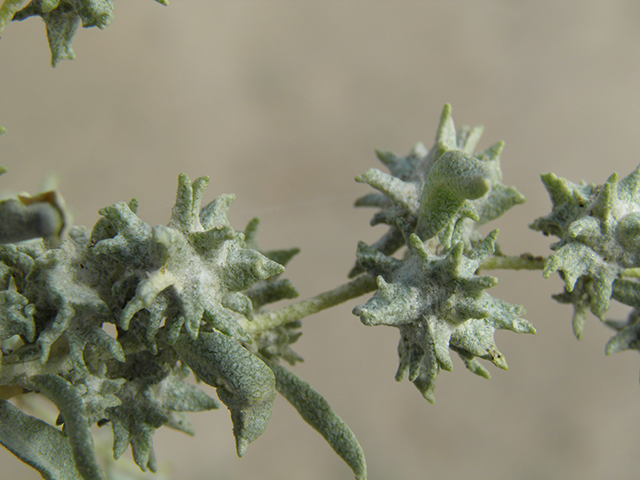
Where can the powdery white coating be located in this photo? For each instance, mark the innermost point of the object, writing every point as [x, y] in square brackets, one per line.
[192, 270]
[434, 200]
[158, 285]
[446, 191]
[62, 19]
[598, 227]
[438, 303]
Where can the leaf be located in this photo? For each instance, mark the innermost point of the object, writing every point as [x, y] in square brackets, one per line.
[23, 221]
[245, 384]
[68, 400]
[192, 270]
[7, 10]
[599, 231]
[37, 444]
[317, 412]
[61, 24]
[62, 19]
[154, 395]
[438, 302]
[16, 316]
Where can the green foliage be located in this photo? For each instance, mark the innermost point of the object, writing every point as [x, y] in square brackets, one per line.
[245, 384]
[176, 295]
[599, 231]
[62, 19]
[190, 299]
[72, 407]
[599, 228]
[43, 215]
[434, 202]
[37, 443]
[315, 410]
[446, 191]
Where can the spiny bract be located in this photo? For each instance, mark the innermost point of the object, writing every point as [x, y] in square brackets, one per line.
[446, 191]
[434, 201]
[175, 293]
[62, 18]
[599, 231]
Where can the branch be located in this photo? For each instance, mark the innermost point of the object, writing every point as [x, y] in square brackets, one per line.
[526, 261]
[353, 289]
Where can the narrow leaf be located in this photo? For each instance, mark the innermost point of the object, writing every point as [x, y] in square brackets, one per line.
[244, 383]
[317, 412]
[69, 402]
[36, 443]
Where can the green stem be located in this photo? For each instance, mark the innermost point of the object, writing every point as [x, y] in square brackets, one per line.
[359, 286]
[523, 262]
[632, 272]
[281, 316]
[527, 261]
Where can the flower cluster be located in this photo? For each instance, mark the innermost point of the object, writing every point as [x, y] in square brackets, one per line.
[434, 201]
[599, 231]
[175, 295]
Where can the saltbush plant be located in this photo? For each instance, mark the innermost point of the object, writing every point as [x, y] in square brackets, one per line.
[195, 298]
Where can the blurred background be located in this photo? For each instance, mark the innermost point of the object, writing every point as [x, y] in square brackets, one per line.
[283, 103]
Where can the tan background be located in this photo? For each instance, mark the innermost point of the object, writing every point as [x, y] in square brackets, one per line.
[283, 103]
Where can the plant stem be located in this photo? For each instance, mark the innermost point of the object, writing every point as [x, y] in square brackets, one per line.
[525, 261]
[632, 272]
[359, 286]
[281, 316]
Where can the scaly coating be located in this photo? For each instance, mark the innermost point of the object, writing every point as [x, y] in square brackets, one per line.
[438, 303]
[599, 231]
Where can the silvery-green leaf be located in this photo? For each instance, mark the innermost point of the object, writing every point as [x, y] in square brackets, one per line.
[438, 303]
[599, 231]
[68, 400]
[37, 444]
[245, 384]
[433, 191]
[317, 412]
